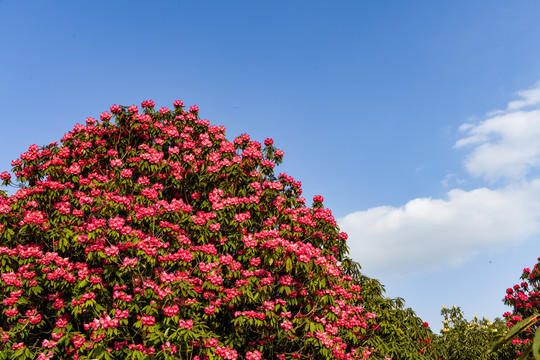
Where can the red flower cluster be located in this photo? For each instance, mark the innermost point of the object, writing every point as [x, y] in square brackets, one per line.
[524, 298]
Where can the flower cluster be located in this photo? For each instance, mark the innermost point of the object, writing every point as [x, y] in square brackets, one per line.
[524, 298]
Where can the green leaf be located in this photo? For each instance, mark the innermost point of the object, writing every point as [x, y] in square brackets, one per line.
[536, 345]
[288, 265]
[17, 354]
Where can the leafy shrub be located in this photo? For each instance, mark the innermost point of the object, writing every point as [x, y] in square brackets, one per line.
[471, 339]
[151, 235]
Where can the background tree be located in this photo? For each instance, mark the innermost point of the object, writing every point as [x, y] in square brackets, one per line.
[471, 339]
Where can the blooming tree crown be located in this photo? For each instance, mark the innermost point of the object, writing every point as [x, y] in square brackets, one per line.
[148, 233]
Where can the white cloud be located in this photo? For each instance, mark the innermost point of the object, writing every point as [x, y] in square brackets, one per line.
[451, 178]
[507, 144]
[427, 233]
[530, 97]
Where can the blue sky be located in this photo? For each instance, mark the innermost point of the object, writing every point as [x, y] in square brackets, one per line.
[417, 121]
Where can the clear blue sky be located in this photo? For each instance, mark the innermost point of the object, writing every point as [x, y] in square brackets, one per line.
[368, 99]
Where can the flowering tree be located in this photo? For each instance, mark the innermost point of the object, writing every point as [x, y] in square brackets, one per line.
[148, 234]
[524, 298]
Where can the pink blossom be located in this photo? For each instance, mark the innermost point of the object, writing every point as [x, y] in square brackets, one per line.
[249, 241]
[268, 163]
[48, 344]
[126, 173]
[210, 310]
[148, 104]
[121, 314]
[45, 356]
[35, 319]
[5, 176]
[253, 355]
[12, 312]
[170, 310]
[285, 280]
[287, 325]
[61, 322]
[105, 116]
[78, 341]
[226, 352]
[111, 251]
[170, 348]
[129, 262]
[279, 153]
[187, 324]
[116, 163]
[143, 180]
[74, 169]
[148, 320]
[116, 223]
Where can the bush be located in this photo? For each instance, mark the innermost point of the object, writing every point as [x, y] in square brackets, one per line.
[471, 339]
[151, 235]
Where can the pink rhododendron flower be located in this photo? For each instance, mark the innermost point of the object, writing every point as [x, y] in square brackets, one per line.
[105, 116]
[148, 320]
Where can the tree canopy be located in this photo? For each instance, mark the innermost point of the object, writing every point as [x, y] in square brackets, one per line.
[149, 234]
